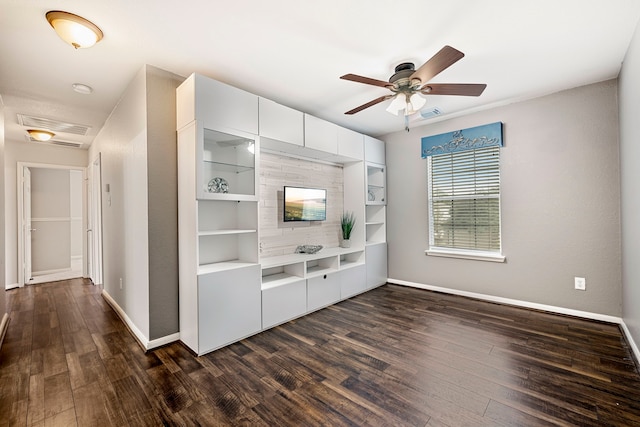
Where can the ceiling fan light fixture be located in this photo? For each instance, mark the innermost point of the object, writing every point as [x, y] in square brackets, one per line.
[415, 104]
[399, 103]
[40, 135]
[74, 29]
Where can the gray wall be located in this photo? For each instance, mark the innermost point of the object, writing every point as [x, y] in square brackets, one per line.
[162, 170]
[629, 93]
[137, 145]
[560, 204]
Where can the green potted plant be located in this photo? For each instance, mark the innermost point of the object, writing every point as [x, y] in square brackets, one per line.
[347, 222]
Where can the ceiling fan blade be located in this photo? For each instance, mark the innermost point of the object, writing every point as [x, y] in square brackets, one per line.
[366, 80]
[446, 57]
[464, 89]
[369, 104]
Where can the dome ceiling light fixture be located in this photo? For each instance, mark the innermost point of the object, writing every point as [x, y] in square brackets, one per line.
[40, 135]
[74, 29]
[82, 88]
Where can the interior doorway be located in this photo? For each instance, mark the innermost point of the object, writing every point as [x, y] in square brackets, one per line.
[52, 211]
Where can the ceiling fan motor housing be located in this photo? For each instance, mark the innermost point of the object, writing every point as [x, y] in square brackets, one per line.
[402, 73]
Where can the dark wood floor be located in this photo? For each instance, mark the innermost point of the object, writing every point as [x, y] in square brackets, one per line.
[392, 356]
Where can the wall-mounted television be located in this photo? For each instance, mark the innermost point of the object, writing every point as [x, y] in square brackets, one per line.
[305, 204]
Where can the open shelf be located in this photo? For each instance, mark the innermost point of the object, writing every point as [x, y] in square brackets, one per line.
[222, 266]
[224, 232]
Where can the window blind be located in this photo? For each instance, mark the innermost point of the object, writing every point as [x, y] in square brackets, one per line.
[464, 200]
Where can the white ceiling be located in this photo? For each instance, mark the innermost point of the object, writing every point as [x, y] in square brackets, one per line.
[294, 51]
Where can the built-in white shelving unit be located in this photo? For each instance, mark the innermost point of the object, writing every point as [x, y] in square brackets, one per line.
[227, 290]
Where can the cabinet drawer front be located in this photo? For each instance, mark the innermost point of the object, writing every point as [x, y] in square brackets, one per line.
[283, 303]
[323, 291]
[353, 281]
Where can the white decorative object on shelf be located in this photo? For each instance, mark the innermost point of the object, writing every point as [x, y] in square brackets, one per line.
[218, 185]
[308, 249]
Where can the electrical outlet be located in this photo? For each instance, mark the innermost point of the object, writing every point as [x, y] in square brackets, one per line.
[580, 283]
[121, 283]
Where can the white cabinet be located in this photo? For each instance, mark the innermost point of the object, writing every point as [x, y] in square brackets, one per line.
[353, 281]
[284, 302]
[320, 135]
[374, 151]
[227, 292]
[323, 291]
[350, 144]
[280, 124]
[328, 141]
[216, 104]
[226, 162]
[218, 158]
[376, 264]
[229, 307]
[376, 182]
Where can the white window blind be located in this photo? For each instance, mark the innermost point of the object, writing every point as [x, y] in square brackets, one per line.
[464, 200]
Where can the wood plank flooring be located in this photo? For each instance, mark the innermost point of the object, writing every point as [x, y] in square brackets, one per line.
[394, 356]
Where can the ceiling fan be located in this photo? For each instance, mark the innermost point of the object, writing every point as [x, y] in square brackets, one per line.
[408, 84]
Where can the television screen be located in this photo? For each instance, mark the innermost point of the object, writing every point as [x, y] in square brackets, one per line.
[305, 204]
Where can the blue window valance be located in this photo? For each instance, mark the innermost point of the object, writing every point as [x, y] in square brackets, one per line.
[461, 140]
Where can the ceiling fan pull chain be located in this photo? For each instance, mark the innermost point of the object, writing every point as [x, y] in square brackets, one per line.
[406, 123]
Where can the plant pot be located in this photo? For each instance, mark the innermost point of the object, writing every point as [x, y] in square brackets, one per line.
[346, 243]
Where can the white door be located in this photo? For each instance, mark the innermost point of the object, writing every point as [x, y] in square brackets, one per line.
[26, 222]
[95, 229]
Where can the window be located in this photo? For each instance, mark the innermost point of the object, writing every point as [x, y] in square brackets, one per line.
[464, 204]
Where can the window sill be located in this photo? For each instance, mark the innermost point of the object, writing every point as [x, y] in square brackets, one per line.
[474, 255]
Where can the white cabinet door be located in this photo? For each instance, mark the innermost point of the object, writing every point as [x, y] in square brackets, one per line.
[219, 104]
[350, 143]
[320, 135]
[283, 303]
[376, 257]
[281, 123]
[229, 306]
[374, 150]
[323, 291]
[353, 281]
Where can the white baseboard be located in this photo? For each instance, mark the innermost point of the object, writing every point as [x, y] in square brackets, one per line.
[159, 342]
[11, 286]
[4, 325]
[632, 343]
[509, 301]
[527, 304]
[45, 272]
[138, 335]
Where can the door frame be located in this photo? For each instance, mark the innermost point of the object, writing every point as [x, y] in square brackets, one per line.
[20, 218]
[94, 221]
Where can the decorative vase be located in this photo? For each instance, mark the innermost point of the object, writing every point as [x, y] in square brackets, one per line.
[346, 243]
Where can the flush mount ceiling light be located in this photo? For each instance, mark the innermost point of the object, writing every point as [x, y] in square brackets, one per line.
[82, 88]
[40, 135]
[74, 29]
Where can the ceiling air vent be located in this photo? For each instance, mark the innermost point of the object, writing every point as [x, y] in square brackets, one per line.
[55, 142]
[430, 113]
[52, 125]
